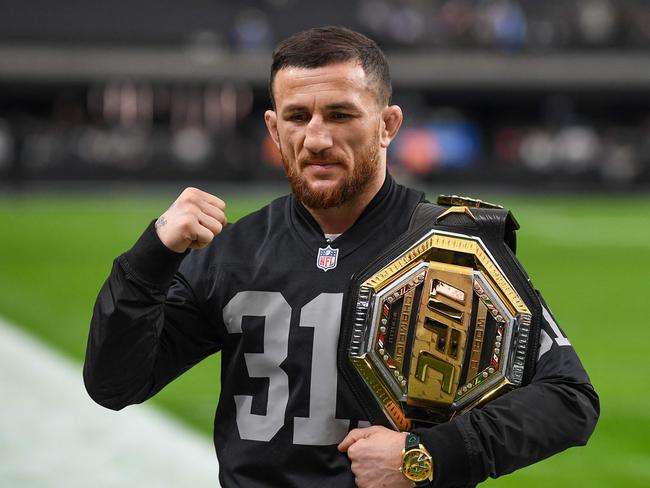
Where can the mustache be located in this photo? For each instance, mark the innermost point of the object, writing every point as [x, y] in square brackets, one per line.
[321, 159]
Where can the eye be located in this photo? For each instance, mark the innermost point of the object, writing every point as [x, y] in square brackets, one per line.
[340, 116]
[297, 117]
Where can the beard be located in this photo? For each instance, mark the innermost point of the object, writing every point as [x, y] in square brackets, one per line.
[364, 172]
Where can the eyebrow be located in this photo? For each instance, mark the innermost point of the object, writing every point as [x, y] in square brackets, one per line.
[294, 107]
[342, 106]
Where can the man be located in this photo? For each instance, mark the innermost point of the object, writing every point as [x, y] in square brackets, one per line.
[257, 292]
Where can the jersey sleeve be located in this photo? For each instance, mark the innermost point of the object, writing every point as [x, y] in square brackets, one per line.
[558, 409]
[147, 326]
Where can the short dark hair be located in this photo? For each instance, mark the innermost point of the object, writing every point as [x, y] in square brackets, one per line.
[322, 46]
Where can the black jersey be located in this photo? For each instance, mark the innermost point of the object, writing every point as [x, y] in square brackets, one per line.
[268, 293]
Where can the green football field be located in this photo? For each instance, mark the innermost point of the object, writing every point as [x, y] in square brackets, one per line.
[590, 257]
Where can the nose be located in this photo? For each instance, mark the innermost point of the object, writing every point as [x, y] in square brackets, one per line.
[317, 135]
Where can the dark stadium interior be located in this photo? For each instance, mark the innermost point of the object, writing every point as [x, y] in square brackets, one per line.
[534, 94]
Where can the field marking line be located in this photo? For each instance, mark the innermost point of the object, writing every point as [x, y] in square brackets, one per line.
[53, 435]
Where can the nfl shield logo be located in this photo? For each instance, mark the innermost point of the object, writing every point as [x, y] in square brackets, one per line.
[327, 258]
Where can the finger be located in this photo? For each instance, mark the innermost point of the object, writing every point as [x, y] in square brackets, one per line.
[213, 200]
[195, 195]
[353, 436]
[202, 236]
[214, 225]
[357, 449]
[213, 211]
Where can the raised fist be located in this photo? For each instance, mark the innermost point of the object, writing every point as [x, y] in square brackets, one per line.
[192, 221]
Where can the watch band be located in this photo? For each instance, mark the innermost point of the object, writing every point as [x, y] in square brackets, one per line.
[417, 465]
[412, 441]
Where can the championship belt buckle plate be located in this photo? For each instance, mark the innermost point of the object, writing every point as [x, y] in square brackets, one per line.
[438, 330]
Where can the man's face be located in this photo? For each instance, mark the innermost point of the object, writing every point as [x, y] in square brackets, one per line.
[330, 131]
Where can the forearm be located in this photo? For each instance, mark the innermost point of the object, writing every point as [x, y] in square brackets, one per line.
[122, 342]
[545, 419]
[127, 329]
[553, 413]
[519, 429]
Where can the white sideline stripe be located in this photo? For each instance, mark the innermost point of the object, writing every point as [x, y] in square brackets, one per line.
[53, 435]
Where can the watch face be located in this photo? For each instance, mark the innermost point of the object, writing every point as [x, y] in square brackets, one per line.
[417, 465]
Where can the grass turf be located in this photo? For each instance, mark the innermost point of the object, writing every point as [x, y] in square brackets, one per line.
[588, 255]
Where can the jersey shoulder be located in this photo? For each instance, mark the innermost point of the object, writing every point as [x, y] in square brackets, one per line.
[259, 225]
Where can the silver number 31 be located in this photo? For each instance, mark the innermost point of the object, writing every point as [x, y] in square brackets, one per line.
[323, 314]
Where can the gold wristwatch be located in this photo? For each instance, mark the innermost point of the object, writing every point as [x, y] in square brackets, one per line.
[417, 465]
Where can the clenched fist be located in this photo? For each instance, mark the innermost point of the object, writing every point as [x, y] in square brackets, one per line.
[192, 221]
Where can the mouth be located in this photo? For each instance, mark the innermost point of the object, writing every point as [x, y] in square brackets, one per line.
[321, 169]
[321, 162]
[318, 163]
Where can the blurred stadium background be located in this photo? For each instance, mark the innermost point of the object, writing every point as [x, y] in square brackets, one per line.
[108, 109]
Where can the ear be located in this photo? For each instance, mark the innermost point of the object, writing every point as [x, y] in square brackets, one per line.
[271, 120]
[391, 121]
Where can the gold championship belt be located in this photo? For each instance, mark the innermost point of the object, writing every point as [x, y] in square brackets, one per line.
[445, 321]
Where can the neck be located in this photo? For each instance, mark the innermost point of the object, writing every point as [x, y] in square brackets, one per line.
[337, 220]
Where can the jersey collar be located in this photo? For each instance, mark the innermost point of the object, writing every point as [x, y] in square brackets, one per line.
[368, 222]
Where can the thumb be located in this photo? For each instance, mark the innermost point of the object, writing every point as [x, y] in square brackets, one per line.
[355, 435]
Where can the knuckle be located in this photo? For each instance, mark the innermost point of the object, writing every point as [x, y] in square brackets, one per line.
[187, 211]
[186, 225]
[189, 194]
[187, 220]
[353, 450]
[209, 236]
[192, 207]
